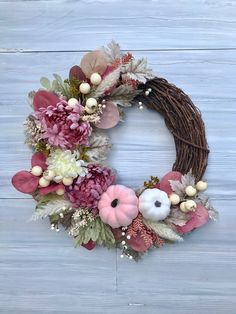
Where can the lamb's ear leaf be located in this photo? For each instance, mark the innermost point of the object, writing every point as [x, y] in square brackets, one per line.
[25, 182]
[43, 99]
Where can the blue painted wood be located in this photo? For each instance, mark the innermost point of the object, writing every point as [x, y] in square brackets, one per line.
[40, 270]
[82, 25]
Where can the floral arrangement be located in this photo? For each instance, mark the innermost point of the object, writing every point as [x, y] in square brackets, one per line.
[69, 179]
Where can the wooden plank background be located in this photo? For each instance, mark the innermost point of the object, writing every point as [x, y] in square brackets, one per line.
[192, 44]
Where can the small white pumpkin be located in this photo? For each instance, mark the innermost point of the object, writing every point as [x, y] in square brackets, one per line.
[154, 204]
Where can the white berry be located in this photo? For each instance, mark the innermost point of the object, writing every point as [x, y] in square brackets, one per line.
[183, 207]
[95, 79]
[190, 205]
[60, 191]
[89, 110]
[67, 181]
[84, 88]
[72, 102]
[91, 105]
[48, 175]
[43, 182]
[201, 185]
[190, 190]
[174, 199]
[37, 171]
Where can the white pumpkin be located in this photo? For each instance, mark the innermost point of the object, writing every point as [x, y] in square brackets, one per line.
[154, 204]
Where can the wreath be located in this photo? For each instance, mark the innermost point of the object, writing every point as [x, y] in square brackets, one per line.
[76, 189]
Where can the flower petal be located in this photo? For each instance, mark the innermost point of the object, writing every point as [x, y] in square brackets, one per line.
[198, 218]
[164, 184]
[25, 182]
[39, 159]
[110, 117]
[43, 99]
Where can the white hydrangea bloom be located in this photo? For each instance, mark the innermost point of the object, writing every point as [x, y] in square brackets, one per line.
[66, 164]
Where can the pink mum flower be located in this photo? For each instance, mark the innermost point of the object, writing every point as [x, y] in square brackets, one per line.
[62, 126]
[87, 190]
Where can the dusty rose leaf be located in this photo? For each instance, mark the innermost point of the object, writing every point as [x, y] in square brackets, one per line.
[76, 73]
[198, 218]
[164, 184]
[90, 245]
[43, 99]
[138, 244]
[93, 62]
[117, 234]
[110, 117]
[39, 159]
[50, 189]
[25, 182]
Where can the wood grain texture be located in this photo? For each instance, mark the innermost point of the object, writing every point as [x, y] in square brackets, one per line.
[191, 43]
[82, 25]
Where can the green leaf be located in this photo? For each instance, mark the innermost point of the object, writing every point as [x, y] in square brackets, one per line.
[96, 231]
[45, 83]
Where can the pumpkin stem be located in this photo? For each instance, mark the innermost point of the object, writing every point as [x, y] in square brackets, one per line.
[114, 203]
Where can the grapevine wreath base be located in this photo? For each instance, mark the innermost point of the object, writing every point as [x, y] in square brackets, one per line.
[69, 179]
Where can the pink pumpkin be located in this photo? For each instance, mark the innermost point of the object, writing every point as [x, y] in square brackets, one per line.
[118, 206]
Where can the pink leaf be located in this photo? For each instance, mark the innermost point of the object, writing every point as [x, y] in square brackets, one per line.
[198, 218]
[90, 245]
[164, 184]
[93, 62]
[110, 117]
[76, 73]
[138, 244]
[51, 188]
[39, 159]
[43, 99]
[25, 182]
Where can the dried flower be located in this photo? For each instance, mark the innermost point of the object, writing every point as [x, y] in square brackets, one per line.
[62, 125]
[32, 131]
[81, 218]
[87, 190]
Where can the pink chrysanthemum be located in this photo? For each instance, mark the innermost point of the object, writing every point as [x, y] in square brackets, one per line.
[87, 190]
[62, 126]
